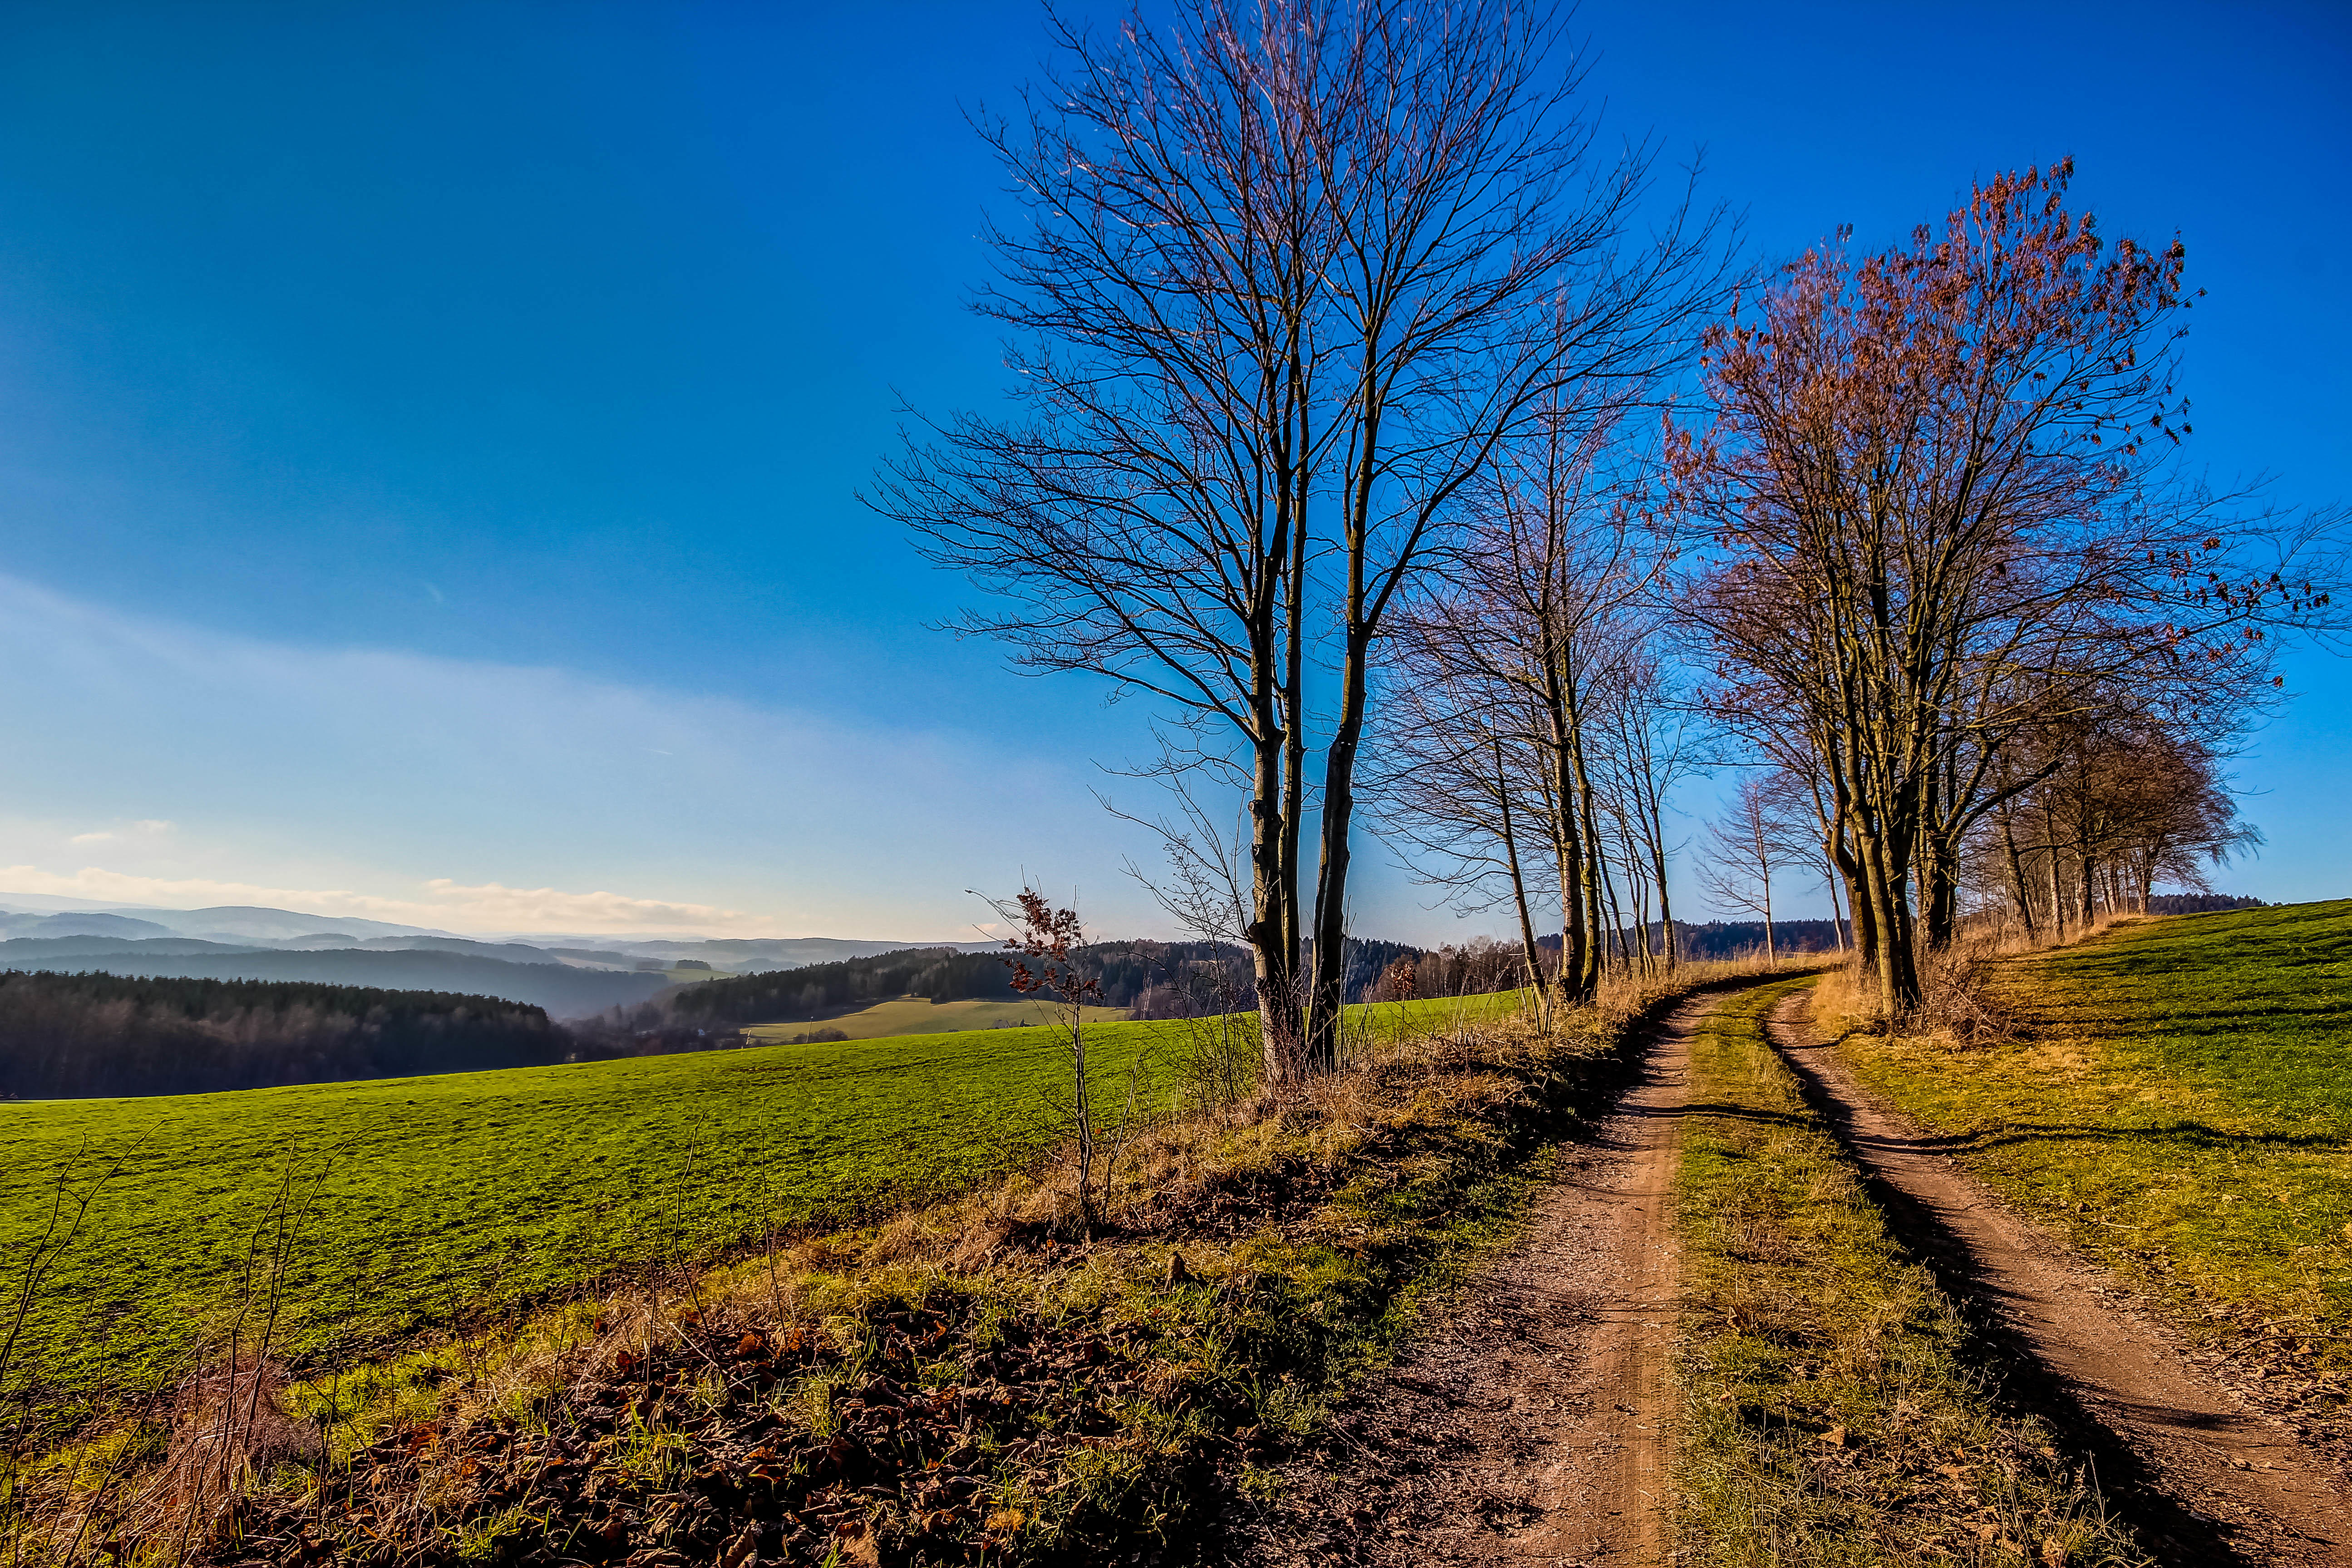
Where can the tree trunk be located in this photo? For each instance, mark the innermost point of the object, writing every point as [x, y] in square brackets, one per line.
[1272, 933]
[1898, 973]
[1574, 929]
[2016, 872]
[1837, 927]
[1588, 982]
[1666, 906]
[1528, 949]
[1323, 998]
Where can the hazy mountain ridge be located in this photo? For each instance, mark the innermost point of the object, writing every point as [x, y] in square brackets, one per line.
[571, 976]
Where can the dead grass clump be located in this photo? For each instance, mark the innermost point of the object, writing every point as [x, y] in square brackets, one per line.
[1962, 1003]
[228, 1428]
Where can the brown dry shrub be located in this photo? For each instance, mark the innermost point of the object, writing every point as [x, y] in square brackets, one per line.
[228, 1429]
[1958, 1000]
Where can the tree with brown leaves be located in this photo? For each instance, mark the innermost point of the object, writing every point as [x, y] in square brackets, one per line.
[1049, 939]
[1938, 519]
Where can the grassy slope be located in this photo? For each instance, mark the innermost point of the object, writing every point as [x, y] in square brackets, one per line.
[438, 1195]
[917, 1015]
[2179, 1105]
[952, 1382]
[1832, 1415]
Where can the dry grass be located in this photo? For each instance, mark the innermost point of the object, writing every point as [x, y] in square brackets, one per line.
[1256, 1255]
[1962, 1002]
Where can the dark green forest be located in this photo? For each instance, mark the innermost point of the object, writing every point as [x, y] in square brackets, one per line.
[70, 1036]
[1125, 970]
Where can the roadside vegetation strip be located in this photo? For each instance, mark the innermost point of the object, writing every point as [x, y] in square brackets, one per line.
[2175, 1100]
[970, 1380]
[1834, 1409]
[425, 1201]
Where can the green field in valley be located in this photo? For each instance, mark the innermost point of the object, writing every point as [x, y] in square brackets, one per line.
[917, 1015]
[436, 1196]
[2179, 1102]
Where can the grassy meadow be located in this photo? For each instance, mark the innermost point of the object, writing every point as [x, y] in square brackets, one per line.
[425, 1201]
[2178, 1101]
[919, 1015]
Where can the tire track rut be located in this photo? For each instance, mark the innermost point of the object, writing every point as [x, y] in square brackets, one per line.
[2205, 1479]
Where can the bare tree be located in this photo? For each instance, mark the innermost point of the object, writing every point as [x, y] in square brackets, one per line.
[2120, 808]
[1270, 306]
[1536, 631]
[1645, 745]
[1755, 837]
[1457, 779]
[1939, 520]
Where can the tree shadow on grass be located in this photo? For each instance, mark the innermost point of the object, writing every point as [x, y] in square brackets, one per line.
[2186, 1135]
[2177, 1531]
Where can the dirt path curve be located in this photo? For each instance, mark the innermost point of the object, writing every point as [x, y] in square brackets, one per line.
[1526, 1426]
[2206, 1478]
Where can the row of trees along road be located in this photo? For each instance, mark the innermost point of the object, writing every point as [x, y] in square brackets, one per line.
[1950, 547]
[1339, 340]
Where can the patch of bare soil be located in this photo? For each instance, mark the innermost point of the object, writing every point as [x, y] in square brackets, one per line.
[2204, 1477]
[1527, 1424]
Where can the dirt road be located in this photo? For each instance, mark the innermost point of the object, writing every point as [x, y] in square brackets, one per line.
[1528, 1424]
[2205, 1479]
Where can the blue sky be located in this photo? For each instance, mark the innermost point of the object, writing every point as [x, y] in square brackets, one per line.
[429, 433]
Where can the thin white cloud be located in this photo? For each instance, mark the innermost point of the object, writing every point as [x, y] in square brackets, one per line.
[147, 827]
[443, 902]
[338, 780]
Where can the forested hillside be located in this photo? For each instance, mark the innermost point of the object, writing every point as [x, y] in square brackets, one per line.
[1155, 979]
[561, 989]
[1126, 971]
[66, 1036]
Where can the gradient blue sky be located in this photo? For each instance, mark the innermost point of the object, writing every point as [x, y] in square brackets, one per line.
[428, 434]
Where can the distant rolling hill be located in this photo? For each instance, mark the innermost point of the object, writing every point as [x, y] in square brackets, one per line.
[571, 976]
[565, 990]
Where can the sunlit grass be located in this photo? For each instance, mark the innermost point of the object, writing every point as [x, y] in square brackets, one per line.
[435, 1199]
[919, 1015]
[2178, 1103]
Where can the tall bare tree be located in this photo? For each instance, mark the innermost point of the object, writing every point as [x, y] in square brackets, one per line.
[1525, 633]
[1271, 305]
[1754, 839]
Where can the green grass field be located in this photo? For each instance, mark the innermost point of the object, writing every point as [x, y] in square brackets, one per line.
[2178, 1104]
[440, 1196]
[915, 1015]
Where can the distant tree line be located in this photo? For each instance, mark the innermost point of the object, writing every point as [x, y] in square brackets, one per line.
[941, 974]
[70, 1036]
[67, 1035]
[1152, 979]
[2198, 904]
